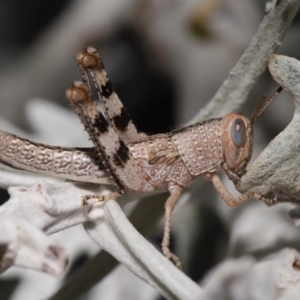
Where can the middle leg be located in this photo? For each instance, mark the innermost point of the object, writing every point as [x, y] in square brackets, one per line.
[175, 192]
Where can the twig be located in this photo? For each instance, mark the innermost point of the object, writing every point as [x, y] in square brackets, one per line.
[235, 89]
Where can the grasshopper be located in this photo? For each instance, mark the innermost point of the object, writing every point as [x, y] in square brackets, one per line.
[133, 161]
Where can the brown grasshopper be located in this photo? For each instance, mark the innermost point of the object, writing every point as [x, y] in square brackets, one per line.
[133, 161]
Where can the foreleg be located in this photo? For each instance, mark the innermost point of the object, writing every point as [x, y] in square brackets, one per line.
[230, 200]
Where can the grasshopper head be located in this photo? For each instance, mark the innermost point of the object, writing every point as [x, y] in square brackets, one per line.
[237, 139]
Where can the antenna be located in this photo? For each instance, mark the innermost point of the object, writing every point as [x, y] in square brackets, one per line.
[262, 105]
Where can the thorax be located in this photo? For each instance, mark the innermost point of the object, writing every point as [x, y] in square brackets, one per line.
[180, 155]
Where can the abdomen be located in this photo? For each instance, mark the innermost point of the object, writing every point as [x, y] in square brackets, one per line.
[69, 163]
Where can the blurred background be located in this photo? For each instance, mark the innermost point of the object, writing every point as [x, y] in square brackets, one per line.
[166, 59]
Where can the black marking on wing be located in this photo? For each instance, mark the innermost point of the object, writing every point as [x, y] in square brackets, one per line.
[107, 89]
[122, 120]
[101, 123]
[122, 155]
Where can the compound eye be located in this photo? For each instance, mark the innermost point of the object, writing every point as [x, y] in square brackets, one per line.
[238, 133]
